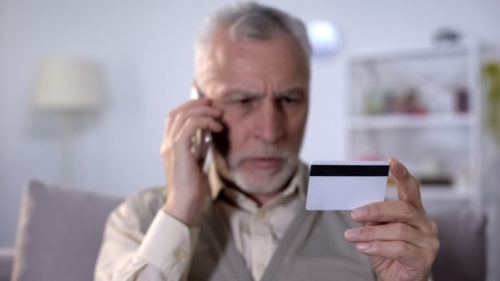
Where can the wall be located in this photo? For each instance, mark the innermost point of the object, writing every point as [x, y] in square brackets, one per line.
[145, 48]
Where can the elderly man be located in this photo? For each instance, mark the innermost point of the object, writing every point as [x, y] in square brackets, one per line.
[243, 217]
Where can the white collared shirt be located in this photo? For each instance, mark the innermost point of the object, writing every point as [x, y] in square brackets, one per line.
[257, 230]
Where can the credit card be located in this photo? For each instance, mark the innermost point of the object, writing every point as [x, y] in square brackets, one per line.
[341, 185]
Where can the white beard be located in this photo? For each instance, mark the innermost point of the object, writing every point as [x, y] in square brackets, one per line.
[262, 182]
[258, 181]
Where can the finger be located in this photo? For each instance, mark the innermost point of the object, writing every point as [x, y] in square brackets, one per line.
[198, 111]
[195, 123]
[186, 106]
[390, 211]
[387, 232]
[190, 104]
[408, 188]
[405, 253]
[202, 110]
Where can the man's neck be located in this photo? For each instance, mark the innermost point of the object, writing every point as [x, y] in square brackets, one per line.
[260, 198]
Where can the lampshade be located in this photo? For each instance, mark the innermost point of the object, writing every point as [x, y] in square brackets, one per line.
[69, 85]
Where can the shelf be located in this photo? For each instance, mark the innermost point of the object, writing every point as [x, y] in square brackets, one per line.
[441, 140]
[411, 121]
[433, 52]
[434, 193]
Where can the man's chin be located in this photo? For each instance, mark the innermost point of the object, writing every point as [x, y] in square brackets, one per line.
[262, 166]
[262, 181]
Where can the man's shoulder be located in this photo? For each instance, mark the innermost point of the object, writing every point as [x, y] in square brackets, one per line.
[144, 205]
[148, 199]
[149, 196]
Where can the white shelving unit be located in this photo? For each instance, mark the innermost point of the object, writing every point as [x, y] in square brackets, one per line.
[436, 136]
[424, 107]
[393, 122]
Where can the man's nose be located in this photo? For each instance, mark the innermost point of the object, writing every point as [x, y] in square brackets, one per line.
[269, 125]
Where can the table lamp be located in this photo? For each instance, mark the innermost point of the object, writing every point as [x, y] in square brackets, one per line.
[73, 88]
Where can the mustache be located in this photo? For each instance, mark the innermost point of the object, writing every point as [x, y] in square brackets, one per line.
[262, 152]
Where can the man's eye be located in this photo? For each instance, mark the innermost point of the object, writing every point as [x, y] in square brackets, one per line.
[245, 101]
[287, 100]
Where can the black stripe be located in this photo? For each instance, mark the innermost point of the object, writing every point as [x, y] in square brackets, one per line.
[349, 170]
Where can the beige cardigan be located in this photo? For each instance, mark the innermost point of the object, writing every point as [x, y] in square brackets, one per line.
[313, 247]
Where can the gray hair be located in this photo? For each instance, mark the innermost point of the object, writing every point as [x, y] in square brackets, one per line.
[250, 20]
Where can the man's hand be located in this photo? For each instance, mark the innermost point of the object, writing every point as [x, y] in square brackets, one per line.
[399, 238]
[187, 185]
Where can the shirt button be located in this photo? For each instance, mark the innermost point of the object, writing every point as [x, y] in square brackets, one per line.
[261, 215]
[181, 254]
[261, 267]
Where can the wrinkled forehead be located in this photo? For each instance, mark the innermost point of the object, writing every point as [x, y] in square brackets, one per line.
[278, 61]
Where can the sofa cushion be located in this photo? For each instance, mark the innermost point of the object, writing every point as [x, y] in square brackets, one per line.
[6, 261]
[462, 234]
[59, 233]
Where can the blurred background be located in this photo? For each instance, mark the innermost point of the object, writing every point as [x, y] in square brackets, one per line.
[418, 80]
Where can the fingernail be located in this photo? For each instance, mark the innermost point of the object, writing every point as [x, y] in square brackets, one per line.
[351, 233]
[363, 246]
[358, 213]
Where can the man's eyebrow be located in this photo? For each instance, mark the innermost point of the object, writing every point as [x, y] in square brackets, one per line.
[293, 91]
[236, 93]
[239, 93]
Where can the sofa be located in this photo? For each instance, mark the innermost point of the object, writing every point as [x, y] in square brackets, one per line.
[60, 231]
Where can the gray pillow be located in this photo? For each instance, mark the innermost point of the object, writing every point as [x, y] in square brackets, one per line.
[462, 233]
[59, 233]
[6, 261]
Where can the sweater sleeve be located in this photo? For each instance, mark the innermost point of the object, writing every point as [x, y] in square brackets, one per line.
[162, 253]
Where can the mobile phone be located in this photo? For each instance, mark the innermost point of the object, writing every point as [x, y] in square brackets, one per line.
[200, 142]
